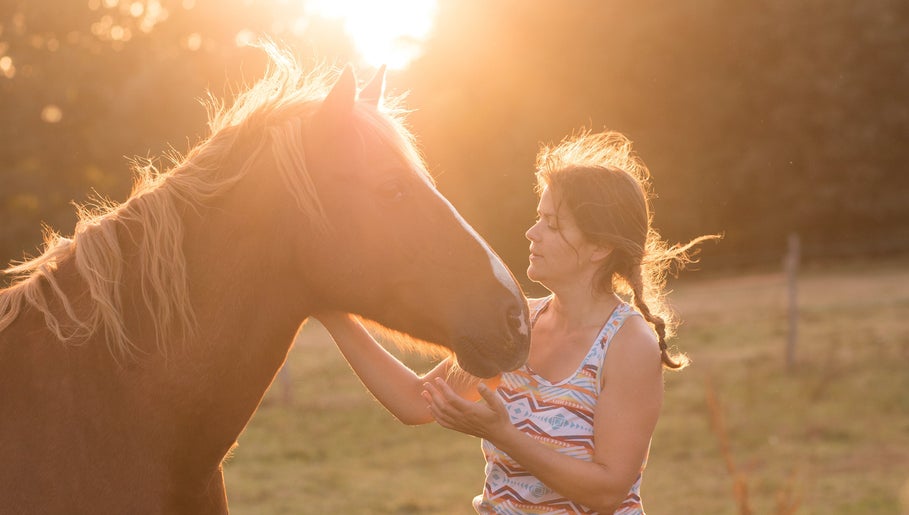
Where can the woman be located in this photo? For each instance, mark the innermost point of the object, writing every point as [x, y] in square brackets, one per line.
[570, 431]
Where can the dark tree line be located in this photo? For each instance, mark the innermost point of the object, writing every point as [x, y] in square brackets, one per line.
[756, 118]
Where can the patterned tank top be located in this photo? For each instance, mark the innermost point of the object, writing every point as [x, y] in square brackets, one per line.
[559, 415]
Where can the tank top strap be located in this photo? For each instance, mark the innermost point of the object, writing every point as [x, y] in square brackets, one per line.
[537, 306]
[597, 355]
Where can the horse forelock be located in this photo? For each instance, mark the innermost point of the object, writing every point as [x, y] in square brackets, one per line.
[267, 116]
[388, 125]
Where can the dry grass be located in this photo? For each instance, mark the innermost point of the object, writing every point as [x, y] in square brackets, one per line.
[831, 435]
[738, 432]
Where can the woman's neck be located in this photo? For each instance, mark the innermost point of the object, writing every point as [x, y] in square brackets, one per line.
[581, 306]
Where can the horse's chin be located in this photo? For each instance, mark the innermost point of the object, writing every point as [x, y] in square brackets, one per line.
[477, 353]
[478, 367]
[476, 364]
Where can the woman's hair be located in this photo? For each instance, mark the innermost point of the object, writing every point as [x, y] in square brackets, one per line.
[606, 188]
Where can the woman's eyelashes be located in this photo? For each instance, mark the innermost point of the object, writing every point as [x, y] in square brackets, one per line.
[548, 221]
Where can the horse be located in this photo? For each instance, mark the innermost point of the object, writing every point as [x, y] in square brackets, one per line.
[134, 353]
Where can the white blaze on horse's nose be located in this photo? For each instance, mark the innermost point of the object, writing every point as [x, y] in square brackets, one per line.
[498, 267]
[503, 275]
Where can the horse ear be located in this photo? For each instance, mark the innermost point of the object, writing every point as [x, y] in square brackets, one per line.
[373, 91]
[340, 100]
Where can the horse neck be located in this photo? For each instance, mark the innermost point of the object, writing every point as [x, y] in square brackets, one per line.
[247, 312]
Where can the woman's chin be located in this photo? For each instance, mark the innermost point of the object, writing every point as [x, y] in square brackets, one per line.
[532, 273]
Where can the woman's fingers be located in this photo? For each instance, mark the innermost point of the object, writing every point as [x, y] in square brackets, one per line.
[435, 395]
[448, 392]
[438, 406]
[444, 396]
[452, 411]
[438, 403]
[491, 399]
[487, 394]
[442, 418]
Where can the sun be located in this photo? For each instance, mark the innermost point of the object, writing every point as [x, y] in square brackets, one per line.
[389, 32]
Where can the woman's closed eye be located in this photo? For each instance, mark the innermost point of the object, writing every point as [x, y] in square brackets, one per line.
[548, 221]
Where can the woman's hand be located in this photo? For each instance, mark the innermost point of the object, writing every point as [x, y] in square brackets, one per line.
[488, 419]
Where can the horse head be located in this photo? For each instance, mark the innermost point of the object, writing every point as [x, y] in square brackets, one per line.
[395, 250]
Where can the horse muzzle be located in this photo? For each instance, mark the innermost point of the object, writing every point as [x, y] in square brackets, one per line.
[488, 353]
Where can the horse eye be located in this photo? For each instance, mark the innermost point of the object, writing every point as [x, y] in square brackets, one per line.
[392, 191]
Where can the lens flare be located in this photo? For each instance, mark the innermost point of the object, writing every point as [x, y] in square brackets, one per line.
[388, 32]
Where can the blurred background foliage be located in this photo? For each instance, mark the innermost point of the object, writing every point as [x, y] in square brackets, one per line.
[757, 118]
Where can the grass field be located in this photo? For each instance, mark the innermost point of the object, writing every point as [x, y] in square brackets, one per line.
[830, 436]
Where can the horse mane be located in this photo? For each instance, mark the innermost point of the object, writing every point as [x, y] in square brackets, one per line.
[266, 116]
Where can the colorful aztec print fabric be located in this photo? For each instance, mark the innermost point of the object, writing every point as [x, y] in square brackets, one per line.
[559, 415]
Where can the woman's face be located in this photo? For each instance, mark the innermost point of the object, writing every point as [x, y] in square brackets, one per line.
[559, 252]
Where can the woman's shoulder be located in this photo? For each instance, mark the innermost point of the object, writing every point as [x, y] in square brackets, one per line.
[635, 340]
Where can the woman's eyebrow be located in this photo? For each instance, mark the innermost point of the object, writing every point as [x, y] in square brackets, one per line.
[549, 218]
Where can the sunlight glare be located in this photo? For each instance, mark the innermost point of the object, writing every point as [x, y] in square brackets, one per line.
[389, 32]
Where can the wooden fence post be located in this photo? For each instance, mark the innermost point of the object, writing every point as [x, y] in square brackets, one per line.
[791, 265]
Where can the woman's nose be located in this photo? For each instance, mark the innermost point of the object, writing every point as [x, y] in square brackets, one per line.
[531, 233]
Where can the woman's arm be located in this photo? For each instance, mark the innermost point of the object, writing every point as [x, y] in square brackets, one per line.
[625, 417]
[392, 383]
